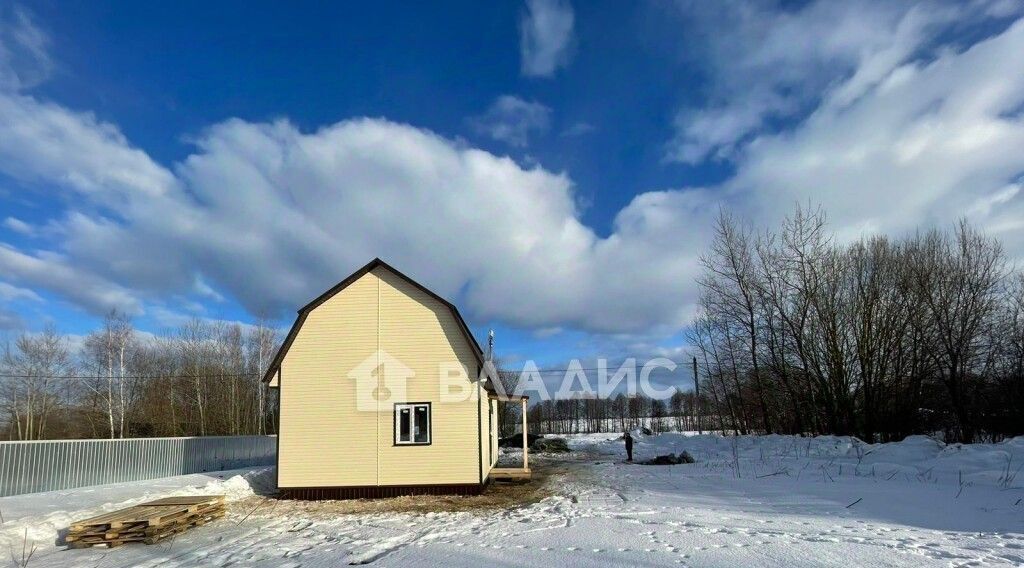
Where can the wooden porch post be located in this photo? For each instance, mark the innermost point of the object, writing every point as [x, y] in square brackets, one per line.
[526, 448]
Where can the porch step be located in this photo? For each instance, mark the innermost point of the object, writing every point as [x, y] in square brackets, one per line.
[509, 473]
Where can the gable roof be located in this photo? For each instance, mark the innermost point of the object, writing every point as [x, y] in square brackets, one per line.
[275, 364]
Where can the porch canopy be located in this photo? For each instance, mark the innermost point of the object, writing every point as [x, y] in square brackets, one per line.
[513, 473]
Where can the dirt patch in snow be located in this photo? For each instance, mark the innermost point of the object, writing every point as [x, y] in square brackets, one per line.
[547, 477]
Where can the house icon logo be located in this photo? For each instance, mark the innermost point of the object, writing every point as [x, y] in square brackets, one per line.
[380, 382]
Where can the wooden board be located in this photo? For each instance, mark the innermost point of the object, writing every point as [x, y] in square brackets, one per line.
[147, 522]
[187, 500]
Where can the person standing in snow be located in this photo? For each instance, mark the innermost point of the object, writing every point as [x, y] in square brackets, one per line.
[629, 446]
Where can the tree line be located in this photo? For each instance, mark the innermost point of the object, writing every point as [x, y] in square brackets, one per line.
[586, 415]
[202, 379]
[880, 338]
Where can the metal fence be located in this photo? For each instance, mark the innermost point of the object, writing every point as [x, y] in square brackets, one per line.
[29, 467]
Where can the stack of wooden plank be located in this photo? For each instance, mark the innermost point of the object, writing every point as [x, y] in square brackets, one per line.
[148, 522]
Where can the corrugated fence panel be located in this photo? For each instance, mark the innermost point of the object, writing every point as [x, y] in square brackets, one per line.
[48, 465]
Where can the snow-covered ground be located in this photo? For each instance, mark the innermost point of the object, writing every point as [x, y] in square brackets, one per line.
[748, 501]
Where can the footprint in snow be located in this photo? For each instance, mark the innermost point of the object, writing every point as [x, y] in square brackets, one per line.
[1010, 545]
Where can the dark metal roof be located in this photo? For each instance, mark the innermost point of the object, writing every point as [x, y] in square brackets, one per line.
[276, 363]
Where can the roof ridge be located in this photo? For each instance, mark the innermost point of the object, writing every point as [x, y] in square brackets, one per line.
[275, 363]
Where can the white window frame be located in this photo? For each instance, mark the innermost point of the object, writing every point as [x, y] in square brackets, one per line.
[411, 407]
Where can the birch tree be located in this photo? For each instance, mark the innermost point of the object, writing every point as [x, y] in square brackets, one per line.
[33, 369]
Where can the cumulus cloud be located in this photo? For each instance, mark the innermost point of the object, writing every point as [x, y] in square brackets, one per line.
[546, 37]
[511, 120]
[272, 216]
[40, 141]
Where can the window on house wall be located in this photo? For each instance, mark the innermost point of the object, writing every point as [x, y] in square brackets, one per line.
[412, 423]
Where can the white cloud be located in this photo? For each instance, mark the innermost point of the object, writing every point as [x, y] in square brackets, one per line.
[768, 63]
[928, 143]
[24, 57]
[171, 319]
[546, 37]
[205, 290]
[9, 293]
[10, 321]
[19, 226]
[511, 120]
[273, 216]
[51, 271]
[41, 141]
[578, 129]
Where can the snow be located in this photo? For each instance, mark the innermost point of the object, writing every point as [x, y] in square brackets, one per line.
[43, 515]
[750, 501]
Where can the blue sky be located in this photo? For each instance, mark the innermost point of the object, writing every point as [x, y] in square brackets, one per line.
[164, 72]
[550, 166]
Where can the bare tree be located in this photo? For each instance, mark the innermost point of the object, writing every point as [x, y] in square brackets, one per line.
[105, 353]
[958, 278]
[878, 337]
[33, 367]
[194, 342]
[731, 277]
[262, 343]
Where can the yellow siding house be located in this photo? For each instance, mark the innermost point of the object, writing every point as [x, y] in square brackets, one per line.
[381, 394]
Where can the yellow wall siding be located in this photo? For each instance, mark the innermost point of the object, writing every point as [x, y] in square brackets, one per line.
[424, 335]
[325, 440]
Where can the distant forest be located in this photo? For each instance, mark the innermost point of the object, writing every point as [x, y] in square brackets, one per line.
[203, 379]
[616, 414]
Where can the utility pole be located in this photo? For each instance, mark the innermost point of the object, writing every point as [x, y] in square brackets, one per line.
[696, 398]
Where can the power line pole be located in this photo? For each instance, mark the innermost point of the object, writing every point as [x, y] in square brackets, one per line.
[696, 398]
